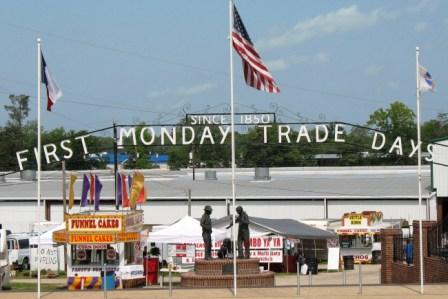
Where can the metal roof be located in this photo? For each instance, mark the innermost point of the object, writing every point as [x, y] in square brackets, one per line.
[289, 228]
[285, 183]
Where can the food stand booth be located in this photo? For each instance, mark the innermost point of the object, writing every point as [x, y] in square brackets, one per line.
[359, 235]
[106, 244]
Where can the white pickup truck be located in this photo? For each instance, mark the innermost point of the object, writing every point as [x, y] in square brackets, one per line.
[4, 263]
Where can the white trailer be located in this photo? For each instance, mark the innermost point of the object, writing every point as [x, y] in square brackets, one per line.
[4, 263]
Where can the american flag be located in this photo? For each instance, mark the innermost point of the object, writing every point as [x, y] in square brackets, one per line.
[256, 73]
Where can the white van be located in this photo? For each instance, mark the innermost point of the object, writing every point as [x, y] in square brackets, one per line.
[4, 265]
[19, 250]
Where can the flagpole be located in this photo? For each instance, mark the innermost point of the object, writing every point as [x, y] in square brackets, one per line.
[419, 163]
[232, 114]
[39, 80]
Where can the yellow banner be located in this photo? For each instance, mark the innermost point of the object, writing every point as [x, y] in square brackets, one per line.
[138, 182]
[71, 192]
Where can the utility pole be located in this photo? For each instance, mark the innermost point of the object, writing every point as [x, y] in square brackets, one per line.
[64, 210]
[189, 202]
[115, 166]
[191, 156]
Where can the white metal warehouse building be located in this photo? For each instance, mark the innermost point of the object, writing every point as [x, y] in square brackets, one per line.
[297, 193]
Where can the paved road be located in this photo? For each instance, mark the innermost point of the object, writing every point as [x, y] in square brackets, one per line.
[370, 275]
[328, 285]
[374, 292]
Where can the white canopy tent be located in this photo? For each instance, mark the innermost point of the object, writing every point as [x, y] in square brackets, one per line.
[47, 237]
[51, 255]
[186, 230]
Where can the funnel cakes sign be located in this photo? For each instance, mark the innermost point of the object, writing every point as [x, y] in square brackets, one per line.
[95, 223]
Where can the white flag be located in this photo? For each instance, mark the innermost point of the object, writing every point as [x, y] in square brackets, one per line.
[426, 81]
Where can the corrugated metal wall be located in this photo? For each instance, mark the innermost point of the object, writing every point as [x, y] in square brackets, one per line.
[440, 172]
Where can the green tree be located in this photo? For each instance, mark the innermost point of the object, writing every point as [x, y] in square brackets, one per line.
[435, 128]
[15, 136]
[255, 153]
[18, 110]
[397, 120]
[138, 154]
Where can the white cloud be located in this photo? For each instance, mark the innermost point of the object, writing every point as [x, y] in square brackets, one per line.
[278, 64]
[373, 69]
[321, 57]
[420, 6]
[282, 64]
[420, 27]
[343, 20]
[183, 91]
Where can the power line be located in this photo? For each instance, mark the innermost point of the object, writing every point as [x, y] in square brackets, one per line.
[194, 67]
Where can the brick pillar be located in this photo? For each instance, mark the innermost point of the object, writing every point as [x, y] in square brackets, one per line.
[416, 243]
[439, 201]
[387, 253]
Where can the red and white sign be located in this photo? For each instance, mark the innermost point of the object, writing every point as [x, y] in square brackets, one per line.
[265, 242]
[362, 257]
[181, 250]
[357, 231]
[111, 254]
[188, 260]
[92, 246]
[265, 256]
[81, 255]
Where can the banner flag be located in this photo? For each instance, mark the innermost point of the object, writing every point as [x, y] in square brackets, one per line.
[92, 188]
[137, 187]
[125, 192]
[71, 192]
[85, 190]
[119, 190]
[98, 187]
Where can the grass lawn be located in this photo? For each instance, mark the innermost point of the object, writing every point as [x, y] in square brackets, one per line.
[32, 286]
[44, 274]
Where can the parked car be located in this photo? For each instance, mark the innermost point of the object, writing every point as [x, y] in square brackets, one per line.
[19, 250]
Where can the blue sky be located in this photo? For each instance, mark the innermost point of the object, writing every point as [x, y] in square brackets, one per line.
[131, 61]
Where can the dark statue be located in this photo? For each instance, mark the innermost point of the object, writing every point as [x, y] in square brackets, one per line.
[206, 224]
[243, 233]
[225, 249]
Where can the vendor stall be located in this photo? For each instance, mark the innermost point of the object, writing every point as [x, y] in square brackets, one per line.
[103, 244]
[359, 235]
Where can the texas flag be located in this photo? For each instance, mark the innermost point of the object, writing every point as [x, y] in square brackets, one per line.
[54, 93]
